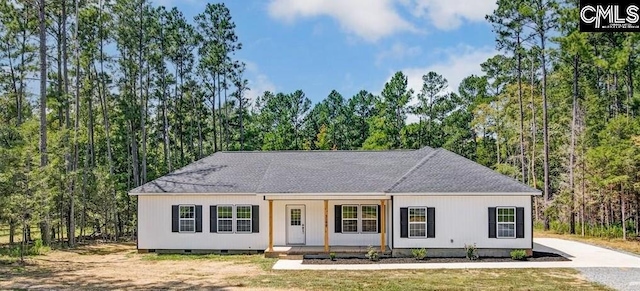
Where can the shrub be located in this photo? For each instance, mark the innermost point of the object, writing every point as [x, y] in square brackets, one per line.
[38, 248]
[419, 254]
[332, 256]
[372, 254]
[471, 251]
[519, 255]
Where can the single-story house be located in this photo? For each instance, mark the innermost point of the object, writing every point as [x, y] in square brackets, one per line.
[397, 200]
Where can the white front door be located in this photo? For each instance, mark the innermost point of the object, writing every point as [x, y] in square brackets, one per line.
[295, 225]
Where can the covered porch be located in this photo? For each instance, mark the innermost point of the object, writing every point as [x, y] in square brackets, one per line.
[288, 251]
[323, 224]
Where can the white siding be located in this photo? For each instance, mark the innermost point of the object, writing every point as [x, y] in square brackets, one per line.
[315, 224]
[154, 219]
[462, 220]
[154, 222]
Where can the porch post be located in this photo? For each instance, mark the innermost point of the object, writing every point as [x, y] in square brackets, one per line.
[383, 223]
[271, 225]
[326, 226]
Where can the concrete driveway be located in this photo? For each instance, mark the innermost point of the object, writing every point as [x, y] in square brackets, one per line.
[581, 255]
[585, 255]
[611, 268]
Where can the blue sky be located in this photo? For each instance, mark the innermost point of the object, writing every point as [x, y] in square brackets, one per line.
[320, 45]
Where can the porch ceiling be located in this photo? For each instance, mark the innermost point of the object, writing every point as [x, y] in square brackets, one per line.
[290, 197]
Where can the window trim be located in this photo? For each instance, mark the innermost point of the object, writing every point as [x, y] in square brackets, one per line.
[362, 219]
[357, 219]
[498, 223]
[218, 219]
[180, 219]
[236, 219]
[409, 223]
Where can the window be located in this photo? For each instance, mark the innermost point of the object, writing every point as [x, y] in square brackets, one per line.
[225, 218]
[349, 218]
[417, 221]
[243, 218]
[506, 222]
[369, 218]
[187, 218]
[296, 216]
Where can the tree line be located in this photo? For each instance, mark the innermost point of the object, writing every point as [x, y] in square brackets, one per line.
[129, 92]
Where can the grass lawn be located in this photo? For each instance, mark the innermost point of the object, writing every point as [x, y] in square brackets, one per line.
[119, 266]
[470, 279]
[630, 245]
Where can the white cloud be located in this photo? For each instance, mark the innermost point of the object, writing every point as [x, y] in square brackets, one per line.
[258, 82]
[367, 19]
[398, 52]
[448, 15]
[458, 63]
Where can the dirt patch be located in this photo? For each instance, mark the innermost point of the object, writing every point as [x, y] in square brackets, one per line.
[537, 257]
[119, 266]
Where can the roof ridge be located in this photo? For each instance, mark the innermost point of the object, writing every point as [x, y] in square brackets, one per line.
[319, 151]
[413, 169]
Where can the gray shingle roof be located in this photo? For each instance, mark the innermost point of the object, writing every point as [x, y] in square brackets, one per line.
[399, 171]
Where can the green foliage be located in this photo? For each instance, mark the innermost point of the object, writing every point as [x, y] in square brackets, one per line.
[36, 249]
[372, 254]
[519, 255]
[419, 254]
[332, 256]
[157, 90]
[471, 252]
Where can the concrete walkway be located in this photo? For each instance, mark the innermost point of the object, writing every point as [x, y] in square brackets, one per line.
[581, 256]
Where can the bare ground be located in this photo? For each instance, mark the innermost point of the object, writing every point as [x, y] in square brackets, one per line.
[119, 266]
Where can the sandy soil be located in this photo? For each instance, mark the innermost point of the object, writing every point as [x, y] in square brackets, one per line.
[118, 266]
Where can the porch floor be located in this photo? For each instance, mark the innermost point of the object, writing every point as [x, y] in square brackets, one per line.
[297, 251]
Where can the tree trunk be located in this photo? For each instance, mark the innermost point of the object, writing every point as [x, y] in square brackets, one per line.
[226, 114]
[534, 131]
[213, 119]
[46, 237]
[572, 149]
[584, 193]
[241, 122]
[221, 132]
[12, 232]
[545, 130]
[179, 115]
[623, 215]
[521, 119]
[143, 131]
[629, 83]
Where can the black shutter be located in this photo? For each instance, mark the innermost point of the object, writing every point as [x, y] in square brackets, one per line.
[520, 222]
[338, 218]
[379, 219]
[492, 222]
[213, 218]
[198, 218]
[431, 222]
[404, 222]
[255, 218]
[175, 218]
